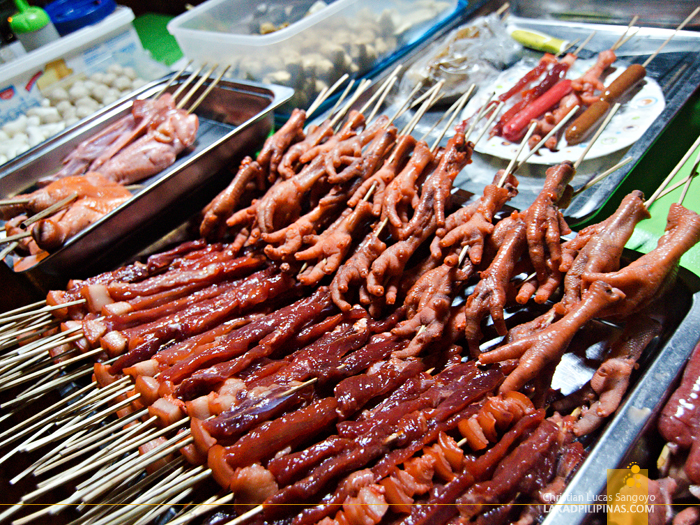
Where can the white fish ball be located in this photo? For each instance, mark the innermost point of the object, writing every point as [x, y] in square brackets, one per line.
[137, 83]
[98, 78]
[4, 136]
[89, 84]
[21, 148]
[109, 79]
[34, 120]
[49, 115]
[87, 101]
[68, 113]
[35, 136]
[123, 82]
[130, 72]
[63, 106]
[115, 69]
[3, 159]
[45, 103]
[58, 94]
[21, 138]
[99, 92]
[16, 126]
[84, 111]
[71, 120]
[78, 91]
[109, 99]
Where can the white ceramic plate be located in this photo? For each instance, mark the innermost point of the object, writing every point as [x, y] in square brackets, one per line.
[626, 127]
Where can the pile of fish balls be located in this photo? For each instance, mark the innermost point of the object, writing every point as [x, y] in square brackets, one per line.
[64, 106]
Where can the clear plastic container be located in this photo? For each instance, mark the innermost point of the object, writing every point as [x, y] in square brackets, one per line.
[314, 50]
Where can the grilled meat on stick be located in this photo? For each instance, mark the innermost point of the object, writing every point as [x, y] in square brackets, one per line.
[428, 301]
[165, 138]
[428, 216]
[608, 295]
[545, 226]
[92, 185]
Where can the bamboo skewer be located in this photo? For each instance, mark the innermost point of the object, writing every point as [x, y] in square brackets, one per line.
[173, 79]
[605, 122]
[595, 180]
[549, 135]
[208, 90]
[681, 26]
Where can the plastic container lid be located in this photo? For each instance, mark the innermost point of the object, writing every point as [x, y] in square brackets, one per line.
[29, 18]
[71, 15]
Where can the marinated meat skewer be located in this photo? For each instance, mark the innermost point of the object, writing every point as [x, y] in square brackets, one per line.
[545, 226]
[611, 379]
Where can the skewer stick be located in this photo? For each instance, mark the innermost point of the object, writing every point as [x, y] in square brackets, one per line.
[151, 515]
[16, 237]
[595, 180]
[380, 102]
[663, 459]
[677, 185]
[406, 102]
[9, 362]
[63, 380]
[442, 117]
[172, 79]
[188, 81]
[502, 9]
[630, 37]
[463, 255]
[462, 102]
[549, 135]
[22, 309]
[493, 116]
[673, 172]
[689, 179]
[11, 202]
[211, 86]
[483, 109]
[683, 24]
[607, 120]
[619, 42]
[566, 49]
[115, 438]
[196, 86]
[245, 516]
[157, 453]
[584, 43]
[17, 431]
[17, 314]
[511, 164]
[8, 250]
[62, 364]
[92, 420]
[324, 94]
[381, 227]
[50, 210]
[381, 89]
[202, 508]
[432, 93]
[342, 97]
[358, 92]
[120, 496]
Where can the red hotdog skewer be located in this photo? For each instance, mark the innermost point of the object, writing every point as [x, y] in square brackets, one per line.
[557, 73]
[635, 73]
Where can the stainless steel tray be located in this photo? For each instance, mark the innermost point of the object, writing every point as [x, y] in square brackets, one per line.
[676, 69]
[234, 120]
[631, 435]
